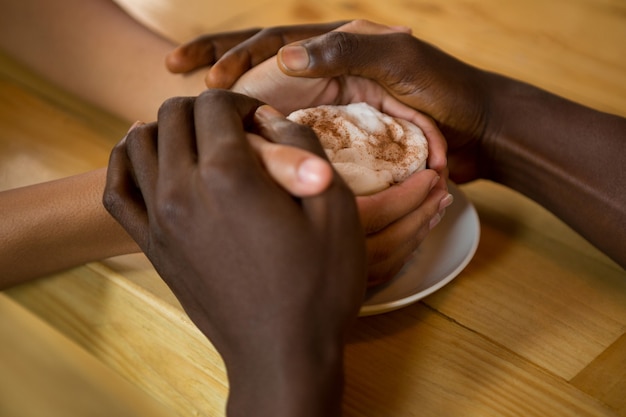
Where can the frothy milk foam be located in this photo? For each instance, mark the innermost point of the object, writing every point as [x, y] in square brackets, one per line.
[369, 149]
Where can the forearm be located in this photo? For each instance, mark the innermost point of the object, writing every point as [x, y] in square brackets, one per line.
[51, 226]
[96, 51]
[567, 157]
[288, 382]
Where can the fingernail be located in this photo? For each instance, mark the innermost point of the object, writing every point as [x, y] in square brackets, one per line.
[310, 171]
[134, 125]
[434, 182]
[399, 28]
[446, 201]
[294, 57]
[268, 112]
[435, 221]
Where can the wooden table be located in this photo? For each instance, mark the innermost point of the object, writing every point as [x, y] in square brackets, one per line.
[534, 326]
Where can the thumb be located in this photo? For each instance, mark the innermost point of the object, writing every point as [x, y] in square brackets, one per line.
[338, 53]
[297, 59]
[414, 72]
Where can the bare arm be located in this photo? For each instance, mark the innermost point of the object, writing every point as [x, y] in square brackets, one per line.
[274, 282]
[95, 50]
[56, 225]
[565, 156]
[59, 224]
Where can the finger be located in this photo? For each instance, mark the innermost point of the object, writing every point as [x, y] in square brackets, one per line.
[274, 126]
[390, 59]
[122, 198]
[219, 118]
[437, 145]
[256, 49]
[389, 249]
[299, 162]
[407, 232]
[323, 208]
[413, 71]
[205, 50]
[379, 210]
[301, 173]
[141, 148]
[381, 57]
[177, 140]
[364, 26]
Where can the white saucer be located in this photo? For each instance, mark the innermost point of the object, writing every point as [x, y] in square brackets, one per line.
[439, 259]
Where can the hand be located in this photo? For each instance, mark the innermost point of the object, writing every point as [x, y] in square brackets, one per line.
[231, 54]
[496, 127]
[397, 220]
[412, 71]
[273, 281]
[298, 171]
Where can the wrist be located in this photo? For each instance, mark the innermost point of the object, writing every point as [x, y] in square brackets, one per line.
[501, 94]
[287, 379]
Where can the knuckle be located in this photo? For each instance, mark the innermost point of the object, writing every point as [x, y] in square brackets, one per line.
[171, 210]
[291, 133]
[173, 104]
[216, 98]
[342, 44]
[113, 201]
[139, 140]
[214, 95]
[120, 149]
[134, 141]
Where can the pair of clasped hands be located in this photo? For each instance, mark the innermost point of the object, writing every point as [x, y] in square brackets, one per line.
[243, 217]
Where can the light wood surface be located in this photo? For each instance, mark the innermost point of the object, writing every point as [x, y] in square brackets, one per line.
[47, 374]
[534, 326]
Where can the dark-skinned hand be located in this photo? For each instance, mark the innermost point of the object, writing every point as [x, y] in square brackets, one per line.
[563, 155]
[396, 220]
[409, 69]
[273, 280]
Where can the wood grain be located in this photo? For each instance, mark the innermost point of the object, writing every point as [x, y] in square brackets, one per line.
[573, 48]
[148, 342]
[605, 377]
[45, 373]
[540, 296]
[534, 326]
